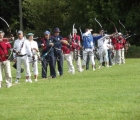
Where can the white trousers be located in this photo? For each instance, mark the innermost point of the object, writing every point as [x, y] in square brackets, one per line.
[7, 70]
[103, 53]
[76, 55]
[122, 56]
[34, 64]
[69, 62]
[23, 60]
[91, 56]
[117, 56]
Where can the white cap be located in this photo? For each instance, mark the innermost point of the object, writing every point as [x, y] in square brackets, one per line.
[119, 33]
[20, 32]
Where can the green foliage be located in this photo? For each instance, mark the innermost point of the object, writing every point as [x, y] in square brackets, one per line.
[39, 15]
[133, 52]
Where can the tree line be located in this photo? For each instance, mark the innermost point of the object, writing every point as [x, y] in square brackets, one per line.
[41, 15]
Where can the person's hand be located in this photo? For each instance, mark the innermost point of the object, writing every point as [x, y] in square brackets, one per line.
[42, 45]
[35, 49]
[51, 44]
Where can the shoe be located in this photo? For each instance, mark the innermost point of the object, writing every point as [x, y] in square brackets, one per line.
[26, 80]
[99, 67]
[107, 66]
[72, 72]
[81, 70]
[93, 69]
[30, 80]
[35, 80]
[17, 81]
[44, 78]
[9, 85]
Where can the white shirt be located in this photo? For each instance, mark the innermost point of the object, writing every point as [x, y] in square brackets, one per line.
[22, 46]
[103, 43]
[33, 44]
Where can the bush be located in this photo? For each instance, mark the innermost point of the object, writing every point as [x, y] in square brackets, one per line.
[133, 52]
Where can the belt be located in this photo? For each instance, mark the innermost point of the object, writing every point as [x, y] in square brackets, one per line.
[21, 55]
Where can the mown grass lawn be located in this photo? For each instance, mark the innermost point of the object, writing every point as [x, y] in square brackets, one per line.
[105, 94]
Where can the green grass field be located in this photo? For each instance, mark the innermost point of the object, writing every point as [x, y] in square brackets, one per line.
[105, 94]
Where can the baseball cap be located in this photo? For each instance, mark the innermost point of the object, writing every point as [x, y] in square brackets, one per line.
[30, 34]
[57, 30]
[47, 32]
[20, 32]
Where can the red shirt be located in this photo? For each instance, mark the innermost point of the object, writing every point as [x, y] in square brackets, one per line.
[122, 41]
[114, 41]
[43, 42]
[4, 47]
[65, 48]
[117, 46]
[75, 42]
[5, 40]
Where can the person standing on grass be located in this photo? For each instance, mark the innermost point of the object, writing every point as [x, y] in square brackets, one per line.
[47, 44]
[57, 50]
[123, 43]
[4, 62]
[75, 52]
[66, 52]
[89, 46]
[21, 52]
[103, 49]
[35, 53]
[117, 50]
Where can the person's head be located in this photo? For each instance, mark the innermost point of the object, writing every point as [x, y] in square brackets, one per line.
[47, 34]
[30, 36]
[56, 31]
[101, 31]
[1, 34]
[20, 34]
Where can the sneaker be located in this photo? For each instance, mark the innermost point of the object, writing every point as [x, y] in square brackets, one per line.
[93, 69]
[26, 80]
[17, 81]
[35, 80]
[107, 66]
[9, 85]
[30, 80]
[81, 70]
[72, 72]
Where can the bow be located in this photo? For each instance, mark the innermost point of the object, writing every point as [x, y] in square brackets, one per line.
[73, 30]
[113, 25]
[99, 23]
[121, 24]
[7, 25]
[81, 32]
[9, 33]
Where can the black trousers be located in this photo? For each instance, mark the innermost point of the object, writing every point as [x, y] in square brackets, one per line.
[59, 60]
[109, 57]
[48, 60]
